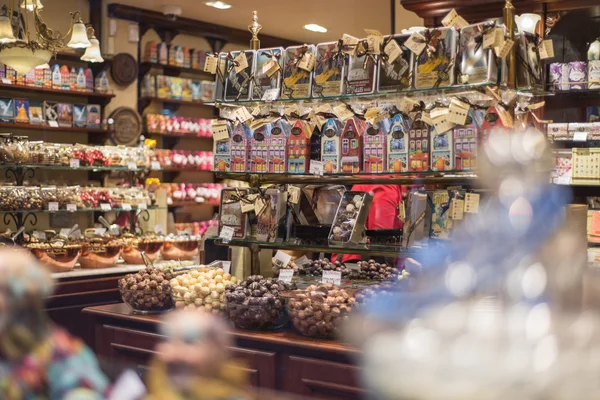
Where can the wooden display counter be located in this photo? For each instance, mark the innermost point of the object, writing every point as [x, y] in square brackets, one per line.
[283, 361]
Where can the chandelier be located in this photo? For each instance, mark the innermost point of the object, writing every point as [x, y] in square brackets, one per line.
[26, 42]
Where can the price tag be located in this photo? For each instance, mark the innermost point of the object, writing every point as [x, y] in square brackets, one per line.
[302, 261]
[6, 81]
[374, 40]
[53, 124]
[458, 112]
[247, 207]
[316, 167]
[294, 194]
[334, 277]
[155, 166]
[210, 64]
[447, 21]
[142, 206]
[563, 180]
[349, 44]
[227, 233]
[442, 124]
[438, 112]
[270, 67]
[270, 95]
[158, 229]
[132, 166]
[342, 112]
[71, 207]
[242, 114]
[53, 206]
[219, 129]
[307, 62]
[547, 49]
[505, 48]
[472, 203]
[226, 265]
[241, 62]
[458, 23]
[580, 136]
[281, 259]
[416, 43]
[407, 105]
[105, 207]
[126, 207]
[458, 207]
[99, 231]
[286, 275]
[393, 51]
[39, 235]
[74, 163]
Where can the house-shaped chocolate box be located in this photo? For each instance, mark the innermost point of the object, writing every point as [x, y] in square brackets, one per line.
[239, 148]
[299, 148]
[397, 144]
[375, 147]
[418, 145]
[351, 146]
[331, 146]
[466, 139]
[222, 153]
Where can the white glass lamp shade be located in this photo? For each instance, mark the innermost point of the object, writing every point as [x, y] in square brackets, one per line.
[527, 22]
[79, 38]
[6, 32]
[30, 5]
[24, 60]
[92, 53]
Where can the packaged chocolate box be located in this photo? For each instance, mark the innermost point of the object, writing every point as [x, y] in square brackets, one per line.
[434, 68]
[238, 85]
[296, 81]
[7, 110]
[477, 65]
[79, 115]
[397, 75]
[360, 74]
[267, 79]
[328, 75]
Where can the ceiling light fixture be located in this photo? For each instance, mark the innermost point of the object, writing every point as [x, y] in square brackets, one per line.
[315, 28]
[27, 42]
[218, 4]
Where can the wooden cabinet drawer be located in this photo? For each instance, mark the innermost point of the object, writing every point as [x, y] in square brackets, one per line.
[321, 379]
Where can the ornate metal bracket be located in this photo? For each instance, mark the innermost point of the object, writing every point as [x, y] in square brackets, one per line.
[19, 174]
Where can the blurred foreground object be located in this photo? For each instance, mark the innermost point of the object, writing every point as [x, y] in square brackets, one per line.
[38, 360]
[498, 315]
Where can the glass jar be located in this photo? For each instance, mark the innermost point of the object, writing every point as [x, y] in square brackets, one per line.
[5, 154]
[37, 151]
[21, 149]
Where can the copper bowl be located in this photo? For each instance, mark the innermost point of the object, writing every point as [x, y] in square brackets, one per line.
[99, 256]
[182, 250]
[58, 259]
[132, 253]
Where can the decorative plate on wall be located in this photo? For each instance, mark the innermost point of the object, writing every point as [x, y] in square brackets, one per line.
[124, 69]
[127, 126]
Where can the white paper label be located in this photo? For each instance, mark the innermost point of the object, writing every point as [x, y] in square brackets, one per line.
[74, 163]
[270, 67]
[71, 207]
[580, 136]
[547, 49]
[307, 63]
[142, 206]
[242, 114]
[302, 261]
[447, 21]
[286, 275]
[210, 64]
[241, 62]
[334, 277]
[270, 95]
[219, 130]
[132, 166]
[393, 51]
[416, 43]
[505, 49]
[6, 81]
[342, 112]
[472, 203]
[226, 265]
[281, 259]
[294, 194]
[458, 207]
[53, 206]
[458, 112]
[407, 105]
[105, 207]
[155, 165]
[350, 43]
[53, 124]
[489, 38]
[227, 233]
[247, 207]
[126, 207]
[259, 206]
[316, 167]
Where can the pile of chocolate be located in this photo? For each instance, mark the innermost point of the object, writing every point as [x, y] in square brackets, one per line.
[147, 290]
[374, 271]
[316, 268]
[256, 303]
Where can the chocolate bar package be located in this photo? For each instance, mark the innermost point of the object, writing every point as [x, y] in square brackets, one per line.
[299, 148]
[240, 148]
[328, 75]
[577, 75]
[176, 87]
[231, 211]
[375, 146]
[151, 52]
[350, 218]
[238, 85]
[594, 74]
[93, 116]
[51, 113]
[271, 215]
[441, 223]
[563, 166]
[352, 146]
[435, 68]
[187, 94]
[266, 79]
[477, 65]
[296, 82]
[7, 110]
[360, 75]
[56, 77]
[21, 111]
[79, 115]
[65, 115]
[36, 113]
[559, 76]
[397, 75]
[559, 131]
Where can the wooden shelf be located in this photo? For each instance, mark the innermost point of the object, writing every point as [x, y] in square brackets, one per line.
[174, 101]
[32, 127]
[104, 97]
[193, 204]
[173, 69]
[178, 135]
[177, 169]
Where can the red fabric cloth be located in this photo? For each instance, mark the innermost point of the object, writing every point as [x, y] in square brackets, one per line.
[383, 213]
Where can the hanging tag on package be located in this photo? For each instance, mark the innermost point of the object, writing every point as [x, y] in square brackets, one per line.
[458, 112]
[442, 125]
[259, 206]
[505, 48]
[393, 51]
[219, 129]
[307, 62]
[505, 117]
[270, 68]
[493, 93]
[270, 95]
[342, 112]
[211, 64]
[333, 277]
[294, 194]
[546, 49]
[371, 114]
[458, 207]
[407, 105]
[447, 21]
[454, 20]
[350, 43]
[293, 109]
[323, 108]
[286, 275]
[227, 233]
[247, 206]
[316, 167]
[427, 119]
[472, 203]
[416, 43]
[281, 259]
[241, 62]
[374, 40]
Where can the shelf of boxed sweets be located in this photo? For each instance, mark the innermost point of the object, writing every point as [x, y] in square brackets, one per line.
[32, 127]
[449, 177]
[173, 101]
[82, 210]
[98, 97]
[173, 69]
